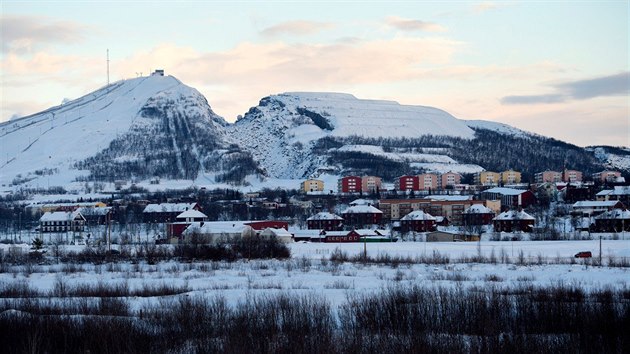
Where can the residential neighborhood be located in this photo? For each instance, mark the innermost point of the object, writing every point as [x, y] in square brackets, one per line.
[410, 205]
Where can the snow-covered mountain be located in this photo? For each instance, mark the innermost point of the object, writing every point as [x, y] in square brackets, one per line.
[138, 128]
[284, 132]
[156, 126]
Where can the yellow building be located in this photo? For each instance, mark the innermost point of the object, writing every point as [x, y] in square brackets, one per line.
[510, 177]
[487, 178]
[313, 185]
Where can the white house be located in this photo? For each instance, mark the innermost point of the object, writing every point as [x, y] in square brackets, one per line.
[61, 221]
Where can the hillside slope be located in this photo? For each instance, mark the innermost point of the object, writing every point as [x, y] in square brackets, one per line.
[141, 128]
[285, 132]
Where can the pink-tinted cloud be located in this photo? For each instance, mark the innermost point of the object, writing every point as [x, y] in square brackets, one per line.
[409, 25]
[296, 28]
[485, 6]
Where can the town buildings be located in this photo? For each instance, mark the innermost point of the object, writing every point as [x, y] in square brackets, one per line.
[606, 176]
[510, 177]
[487, 178]
[418, 221]
[61, 221]
[312, 185]
[514, 220]
[325, 221]
[350, 184]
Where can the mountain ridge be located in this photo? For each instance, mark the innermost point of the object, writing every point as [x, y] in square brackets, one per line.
[156, 126]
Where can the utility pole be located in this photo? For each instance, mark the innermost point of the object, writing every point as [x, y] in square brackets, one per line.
[600, 251]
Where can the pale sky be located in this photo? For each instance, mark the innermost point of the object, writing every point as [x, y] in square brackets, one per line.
[559, 69]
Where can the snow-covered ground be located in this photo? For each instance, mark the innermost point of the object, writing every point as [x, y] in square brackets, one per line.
[311, 271]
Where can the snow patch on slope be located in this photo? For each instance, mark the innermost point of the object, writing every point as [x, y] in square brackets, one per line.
[497, 127]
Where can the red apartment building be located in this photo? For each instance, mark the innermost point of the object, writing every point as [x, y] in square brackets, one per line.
[408, 183]
[350, 184]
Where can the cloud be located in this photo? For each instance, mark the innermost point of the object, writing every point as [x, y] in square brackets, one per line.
[408, 25]
[296, 28]
[534, 99]
[24, 34]
[612, 85]
[485, 6]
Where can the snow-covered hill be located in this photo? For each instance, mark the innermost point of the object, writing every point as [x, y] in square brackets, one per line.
[283, 131]
[157, 127]
[144, 127]
[497, 127]
[617, 158]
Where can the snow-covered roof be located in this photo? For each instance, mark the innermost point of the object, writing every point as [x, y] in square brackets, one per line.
[605, 192]
[277, 232]
[621, 190]
[450, 198]
[336, 233]
[168, 207]
[362, 202]
[615, 214]
[217, 227]
[478, 209]
[362, 209]
[305, 233]
[595, 204]
[505, 191]
[192, 213]
[60, 216]
[514, 215]
[61, 205]
[370, 232]
[418, 215]
[325, 216]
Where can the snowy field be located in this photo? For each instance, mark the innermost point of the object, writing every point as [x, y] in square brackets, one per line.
[311, 271]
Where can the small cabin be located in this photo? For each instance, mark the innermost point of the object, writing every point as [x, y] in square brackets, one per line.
[158, 72]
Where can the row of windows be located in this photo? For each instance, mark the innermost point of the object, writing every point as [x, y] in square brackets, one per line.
[55, 223]
[60, 228]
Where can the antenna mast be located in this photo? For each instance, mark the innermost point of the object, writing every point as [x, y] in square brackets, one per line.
[108, 67]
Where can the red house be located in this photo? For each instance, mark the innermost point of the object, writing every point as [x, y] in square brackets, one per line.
[418, 221]
[514, 220]
[408, 183]
[477, 214]
[350, 184]
[340, 236]
[362, 216]
[616, 220]
[325, 221]
[183, 220]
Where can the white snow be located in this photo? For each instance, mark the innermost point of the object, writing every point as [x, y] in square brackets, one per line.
[498, 127]
[42, 148]
[478, 209]
[362, 209]
[244, 279]
[191, 213]
[418, 215]
[325, 216]
[505, 191]
[514, 215]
